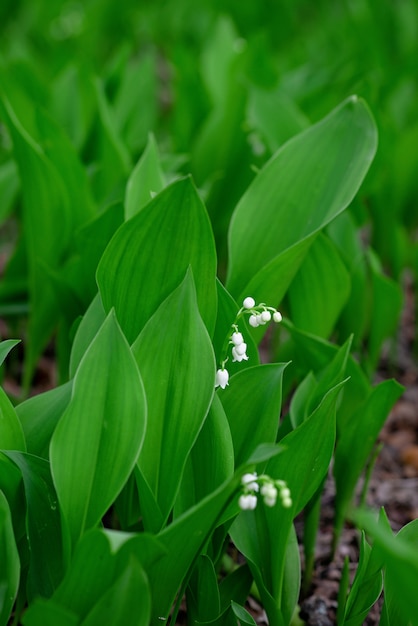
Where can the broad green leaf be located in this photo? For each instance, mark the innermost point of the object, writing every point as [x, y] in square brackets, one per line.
[400, 560]
[146, 180]
[39, 416]
[175, 357]
[113, 160]
[211, 460]
[11, 433]
[137, 101]
[10, 564]
[91, 459]
[309, 181]
[314, 353]
[366, 587]
[203, 602]
[186, 538]
[86, 331]
[387, 305]
[5, 347]
[45, 204]
[242, 614]
[48, 613]
[11, 485]
[9, 185]
[139, 269]
[320, 289]
[314, 387]
[274, 116]
[356, 440]
[264, 535]
[91, 242]
[126, 601]
[43, 525]
[73, 102]
[60, 152]
[252, 404]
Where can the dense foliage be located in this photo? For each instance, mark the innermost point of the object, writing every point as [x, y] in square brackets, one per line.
[207, 210]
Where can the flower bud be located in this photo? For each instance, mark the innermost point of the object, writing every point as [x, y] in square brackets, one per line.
[277, 317]
[252, 320]
[249, 303]
[266, 316]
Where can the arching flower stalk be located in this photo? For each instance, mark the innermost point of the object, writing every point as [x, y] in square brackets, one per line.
[259, 314]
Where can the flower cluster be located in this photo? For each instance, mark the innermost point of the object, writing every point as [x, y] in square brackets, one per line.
[267, 487]
[259, 314]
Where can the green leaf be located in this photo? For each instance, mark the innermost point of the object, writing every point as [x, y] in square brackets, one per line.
[10, 564]
[264, 535]
[86, 331]
[91, 459]
[146, 180]
[48, 613]
[176, 361]
[356, 440]
[314, 387]
[39, 416]
[11, 433]
[366, 587]
[143, 247]
[252, 404]
[45, 204]
[320, 289]
[5, 347]
[43, 525]
[126, 601]
[113, 159]
[211, 460]
[400, 560]
[203, 602]
[242, 614]
[309, 181]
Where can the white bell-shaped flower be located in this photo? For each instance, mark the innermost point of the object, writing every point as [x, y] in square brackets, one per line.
[221, 379]
[239, 353]
[249, 303]
[247, 502]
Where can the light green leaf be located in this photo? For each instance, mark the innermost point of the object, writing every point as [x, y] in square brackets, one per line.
[210, 462]
[48, 613]
[5, 347]
[86, 331]
[320, 289]
[146, 180]
[39, 416]
[400, 560]
[252, 404]
[139, 270]
[113, 159]
[127, 601]
[10, 564]
[176, 361]
[91, 459]
[309, 181]
[43, 525]
[355, 443]
[264, 535]
[11, 433]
